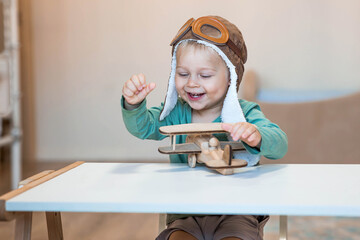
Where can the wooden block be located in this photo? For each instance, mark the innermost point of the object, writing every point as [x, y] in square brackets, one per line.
[226, 171]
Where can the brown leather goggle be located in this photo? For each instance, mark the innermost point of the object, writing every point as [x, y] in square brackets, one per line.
[221, 36]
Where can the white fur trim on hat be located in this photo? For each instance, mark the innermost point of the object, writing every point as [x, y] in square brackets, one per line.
[231, 111]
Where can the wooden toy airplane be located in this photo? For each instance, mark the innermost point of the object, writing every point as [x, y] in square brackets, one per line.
[202, 147]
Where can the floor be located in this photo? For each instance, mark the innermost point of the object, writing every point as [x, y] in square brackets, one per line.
[109, 226]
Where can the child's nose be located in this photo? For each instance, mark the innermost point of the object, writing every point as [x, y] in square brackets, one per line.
[192, 81]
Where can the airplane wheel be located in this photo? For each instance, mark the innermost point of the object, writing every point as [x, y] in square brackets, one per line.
[192, 160]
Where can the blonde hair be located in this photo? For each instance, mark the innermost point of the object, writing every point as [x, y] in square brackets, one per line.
[195, 45]
[198, 46]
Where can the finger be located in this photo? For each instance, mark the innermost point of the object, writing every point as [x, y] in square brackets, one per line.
[131, 86]
[227, 127]
[231, 128]
[254, 139]
[142, 80]
[143, 93]
[136, 81]
[247, 132]
[127, 92]
[238, 131]
[150, 87]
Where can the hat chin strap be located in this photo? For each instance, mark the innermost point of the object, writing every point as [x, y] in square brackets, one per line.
[231, 111]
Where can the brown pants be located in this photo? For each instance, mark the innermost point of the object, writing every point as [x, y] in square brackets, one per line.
[246, 227]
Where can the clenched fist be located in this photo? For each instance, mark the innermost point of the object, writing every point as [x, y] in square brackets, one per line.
[135, 89]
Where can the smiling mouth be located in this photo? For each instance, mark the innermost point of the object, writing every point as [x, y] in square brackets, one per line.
[195, 96]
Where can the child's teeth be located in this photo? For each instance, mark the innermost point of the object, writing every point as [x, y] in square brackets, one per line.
[195, 95]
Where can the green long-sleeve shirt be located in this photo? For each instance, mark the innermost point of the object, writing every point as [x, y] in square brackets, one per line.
[144, 123]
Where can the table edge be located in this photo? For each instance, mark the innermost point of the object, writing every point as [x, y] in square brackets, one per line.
[5, 215]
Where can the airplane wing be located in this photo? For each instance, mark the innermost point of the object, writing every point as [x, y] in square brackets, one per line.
[183, 148]
[191, 128]
[235, 163]
[236, 146]
[186, 148]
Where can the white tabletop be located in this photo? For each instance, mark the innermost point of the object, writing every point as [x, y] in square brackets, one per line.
[314, 190]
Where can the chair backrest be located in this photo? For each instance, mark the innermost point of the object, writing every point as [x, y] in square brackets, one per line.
[319, 132]
[325, 131]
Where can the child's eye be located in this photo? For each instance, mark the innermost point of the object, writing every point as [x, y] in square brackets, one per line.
[183, 74]
[205, 76]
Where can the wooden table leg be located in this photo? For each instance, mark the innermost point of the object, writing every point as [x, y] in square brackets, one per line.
[54, 226]
[283, 227]
[162, 222]
[23, 226]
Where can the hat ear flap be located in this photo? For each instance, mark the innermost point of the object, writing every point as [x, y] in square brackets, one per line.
[171, 94]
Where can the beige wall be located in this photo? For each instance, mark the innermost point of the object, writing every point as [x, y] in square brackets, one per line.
[83, 51]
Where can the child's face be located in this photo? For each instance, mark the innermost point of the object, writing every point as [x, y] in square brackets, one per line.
[202, 78]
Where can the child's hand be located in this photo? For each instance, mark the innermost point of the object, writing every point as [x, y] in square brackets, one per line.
[135, 89]
[245, 132]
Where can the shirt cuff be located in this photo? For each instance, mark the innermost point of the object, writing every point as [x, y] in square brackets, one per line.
[137, 106]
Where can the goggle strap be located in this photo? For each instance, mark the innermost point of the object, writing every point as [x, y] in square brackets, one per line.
[235, 49]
